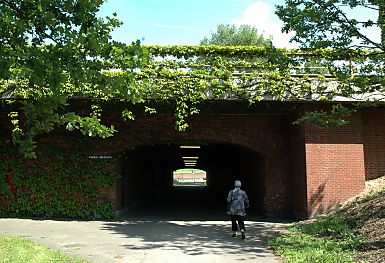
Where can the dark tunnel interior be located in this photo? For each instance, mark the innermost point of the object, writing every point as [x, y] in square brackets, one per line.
[147, 178]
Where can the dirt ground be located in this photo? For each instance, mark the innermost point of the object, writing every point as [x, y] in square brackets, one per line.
[366, 215]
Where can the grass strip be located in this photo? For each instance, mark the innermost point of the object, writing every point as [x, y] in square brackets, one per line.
[17, 249]
[326, 240]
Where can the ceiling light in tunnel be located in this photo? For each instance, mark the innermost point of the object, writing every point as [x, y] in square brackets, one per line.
[185, 157]
[190, 161]
[190, 146]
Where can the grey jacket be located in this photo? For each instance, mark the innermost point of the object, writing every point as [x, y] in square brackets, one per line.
[238, 200]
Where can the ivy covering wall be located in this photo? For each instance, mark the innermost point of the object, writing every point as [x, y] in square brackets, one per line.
[67, 185]
[186, 77]
[56, 185]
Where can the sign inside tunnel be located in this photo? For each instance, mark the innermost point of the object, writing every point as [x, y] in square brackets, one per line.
[99, 157]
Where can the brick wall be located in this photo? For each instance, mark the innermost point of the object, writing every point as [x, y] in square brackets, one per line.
[265, 134]
[298, 166]
[373, 120]
[262, 132]
[307, 169]
[335, 168]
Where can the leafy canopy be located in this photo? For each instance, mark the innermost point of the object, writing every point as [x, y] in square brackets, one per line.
[334, 23]
[47, 45]
[337, 25]
[56, 50]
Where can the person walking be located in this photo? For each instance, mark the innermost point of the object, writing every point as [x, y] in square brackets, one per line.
[237, 201]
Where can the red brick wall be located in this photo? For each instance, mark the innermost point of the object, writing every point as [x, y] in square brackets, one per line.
[334, 164]
[298, 167]
[307, 169]
[373, 120]
[266, 134]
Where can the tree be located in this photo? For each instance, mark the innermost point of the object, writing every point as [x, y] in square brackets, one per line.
[244, 35]
[331, 23]
[230, 35]
[330, 30]
[53, 50]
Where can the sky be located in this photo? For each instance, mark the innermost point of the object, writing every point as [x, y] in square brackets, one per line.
[182, 22]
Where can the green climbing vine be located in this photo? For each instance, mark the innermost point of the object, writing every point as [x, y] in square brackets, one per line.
[185, 77]
[56, 184]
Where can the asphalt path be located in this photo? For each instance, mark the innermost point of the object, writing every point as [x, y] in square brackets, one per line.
[149, 240]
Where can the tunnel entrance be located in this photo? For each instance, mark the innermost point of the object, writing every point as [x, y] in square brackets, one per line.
[148, 178]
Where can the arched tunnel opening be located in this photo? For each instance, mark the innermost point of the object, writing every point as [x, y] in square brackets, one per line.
[148, 178]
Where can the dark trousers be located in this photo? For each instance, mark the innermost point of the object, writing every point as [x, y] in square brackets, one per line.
[241, 223]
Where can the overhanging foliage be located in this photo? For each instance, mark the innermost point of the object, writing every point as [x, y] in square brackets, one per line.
[186, 76]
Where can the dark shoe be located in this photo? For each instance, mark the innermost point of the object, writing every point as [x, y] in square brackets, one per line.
[243, 236]
[234, 235]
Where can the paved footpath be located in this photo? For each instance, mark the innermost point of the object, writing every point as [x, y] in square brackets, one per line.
[133, 240]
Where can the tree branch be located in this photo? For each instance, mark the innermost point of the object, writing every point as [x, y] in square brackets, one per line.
[371, 7]
[364, 5]
[351, 25]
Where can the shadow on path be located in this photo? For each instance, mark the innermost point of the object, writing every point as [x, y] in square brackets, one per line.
[194, 237]
[193, 231]
[153, 234]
